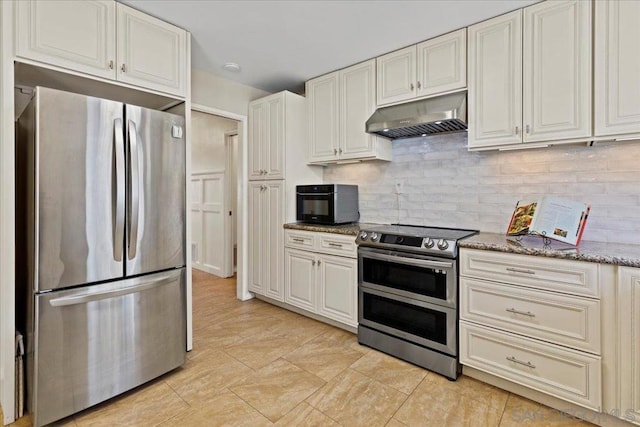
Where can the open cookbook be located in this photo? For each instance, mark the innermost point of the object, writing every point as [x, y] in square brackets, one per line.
[553, 217]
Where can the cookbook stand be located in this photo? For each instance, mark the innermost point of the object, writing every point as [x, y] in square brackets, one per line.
[541, 241]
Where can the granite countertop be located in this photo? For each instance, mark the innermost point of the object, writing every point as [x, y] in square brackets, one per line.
[605, 253]
[351, 229]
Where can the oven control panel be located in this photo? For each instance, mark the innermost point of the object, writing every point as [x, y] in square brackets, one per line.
[436, 246]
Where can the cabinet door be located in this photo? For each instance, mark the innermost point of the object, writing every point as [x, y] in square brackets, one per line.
[273, 152]
[357, 103]
[272, 243]
[151, 53]
[257, 223]
[258, 113]
[300, 279]
[442, 63]
[557, 70]
[629, 342]
[322, 107]
[338, 289]
[76, 35]
[396, 76]
[617, 67]
[495, 81]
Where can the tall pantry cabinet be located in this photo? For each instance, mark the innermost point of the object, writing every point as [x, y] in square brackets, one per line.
[276, 158]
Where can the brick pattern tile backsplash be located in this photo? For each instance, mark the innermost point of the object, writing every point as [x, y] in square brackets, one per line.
[443, 184]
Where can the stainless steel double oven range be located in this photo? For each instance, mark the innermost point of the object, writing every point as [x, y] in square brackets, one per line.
[408, 294]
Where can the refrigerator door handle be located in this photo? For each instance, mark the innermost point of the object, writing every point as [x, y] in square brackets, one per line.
[134, 213]
[118, 229]
[89, 297]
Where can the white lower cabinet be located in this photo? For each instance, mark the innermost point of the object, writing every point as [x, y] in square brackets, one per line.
[628, 313]
[534, 321]
[322, 281]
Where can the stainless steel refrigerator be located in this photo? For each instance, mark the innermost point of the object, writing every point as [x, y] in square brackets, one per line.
[101, 248]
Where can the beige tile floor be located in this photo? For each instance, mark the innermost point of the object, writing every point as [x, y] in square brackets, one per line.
[255, 364]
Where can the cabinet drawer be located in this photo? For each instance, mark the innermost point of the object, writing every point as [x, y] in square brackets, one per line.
[336, 244]
[569, 375]
[299, 239]
[566, 320]
[575, 277]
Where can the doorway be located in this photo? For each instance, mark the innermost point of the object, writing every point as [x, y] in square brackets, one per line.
[214, 201]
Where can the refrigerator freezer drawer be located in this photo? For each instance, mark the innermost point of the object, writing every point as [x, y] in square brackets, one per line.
[96, 342]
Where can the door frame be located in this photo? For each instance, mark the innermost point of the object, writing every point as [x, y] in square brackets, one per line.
[242, 284]
[227, 266]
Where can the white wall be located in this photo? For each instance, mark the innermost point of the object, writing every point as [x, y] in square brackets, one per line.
[207, 141]
[445, 185]
[223, 94]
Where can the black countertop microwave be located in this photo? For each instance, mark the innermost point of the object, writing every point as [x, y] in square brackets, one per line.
[327, 203]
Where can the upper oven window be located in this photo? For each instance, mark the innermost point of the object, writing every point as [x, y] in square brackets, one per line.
[409, 278]
[315, 205]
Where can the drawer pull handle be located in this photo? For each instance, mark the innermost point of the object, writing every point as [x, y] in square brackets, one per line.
[519, 270]
[295, 239]
[520, 362]
[335, 245]
[524, 313]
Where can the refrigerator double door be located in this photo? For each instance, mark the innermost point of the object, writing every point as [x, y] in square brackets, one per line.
[110, 190]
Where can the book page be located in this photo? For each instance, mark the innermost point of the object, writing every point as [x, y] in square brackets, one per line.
[559, 219]
[522, 218]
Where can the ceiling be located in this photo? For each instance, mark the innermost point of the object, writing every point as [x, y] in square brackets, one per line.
[281, 44]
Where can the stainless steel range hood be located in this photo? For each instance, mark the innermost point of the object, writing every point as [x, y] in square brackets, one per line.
[441, 114]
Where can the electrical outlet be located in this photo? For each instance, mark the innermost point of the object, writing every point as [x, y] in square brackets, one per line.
[399, 187]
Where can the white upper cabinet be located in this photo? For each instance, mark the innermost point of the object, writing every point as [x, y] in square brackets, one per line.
[530, 76]
[268, 135]
[431, 67]
[79, 35]
[442, 64]
[495, 81]
[339, 105]
[105, 39]
[617, 68]
[322, 107]
[557, 70]
[151, 53]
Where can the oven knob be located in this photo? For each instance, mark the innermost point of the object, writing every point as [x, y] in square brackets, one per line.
[442, 244]
[363, 235]
[429, 243]
[375, 236]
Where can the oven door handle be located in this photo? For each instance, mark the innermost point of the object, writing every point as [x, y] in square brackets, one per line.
[405, 260]
[314, 194]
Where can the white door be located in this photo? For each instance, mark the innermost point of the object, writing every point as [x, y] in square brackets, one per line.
[257, 222]
[273, 241]
[442, 63]
[629, 341]
[151, 52]
[208, 227]
[273, 154]
[322, 108]
[76, 35]
[258, 114]
[617, 67]
[557, 70]
[357, 103]
[396, 76]
[338, 288]
[495, 81]
[300, 279]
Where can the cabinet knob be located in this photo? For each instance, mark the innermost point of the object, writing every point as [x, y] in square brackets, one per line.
[419, 85]
[313, 262]
[526, 128]
[111, 64]
[335, 151]
[340, 150]
[319, 263]
[411, 86]
[517, 130]
[123, 68]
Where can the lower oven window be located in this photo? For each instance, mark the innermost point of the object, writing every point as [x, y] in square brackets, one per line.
[418, 280]
[412, 319]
